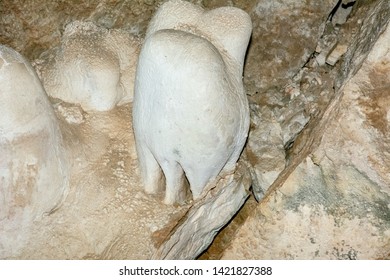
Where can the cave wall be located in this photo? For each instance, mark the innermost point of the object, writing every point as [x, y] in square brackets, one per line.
[316, 159]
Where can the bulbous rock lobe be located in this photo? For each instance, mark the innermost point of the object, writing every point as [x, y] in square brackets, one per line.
[190, 111]
[93, 67]
[33, 167]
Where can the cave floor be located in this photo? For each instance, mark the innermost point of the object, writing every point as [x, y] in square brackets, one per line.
[105, 187]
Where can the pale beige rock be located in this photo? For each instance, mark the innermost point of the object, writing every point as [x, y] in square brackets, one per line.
[106, 214]
[33, 166]
[264, 153]
[93, 67]
[341, 14]
[207, 216]
[110, 216]
[335, 203]
[336, 54]
[325, 46]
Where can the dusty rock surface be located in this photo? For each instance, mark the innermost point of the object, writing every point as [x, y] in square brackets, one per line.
[106, 214]
[285, 34]
[32, 27]
[93, 66]
[317, 77]
[335, 202]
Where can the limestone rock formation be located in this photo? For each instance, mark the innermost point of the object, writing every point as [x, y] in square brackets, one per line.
[194, 232]
[285, 33]
[317, 156]
[93, 67]
[35, 27]
[264, 152]
[33, 165]
[281, 104]
[335, 203]
[190, 111]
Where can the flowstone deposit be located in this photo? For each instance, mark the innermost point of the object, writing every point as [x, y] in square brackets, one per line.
[33, 164]
[190, 110]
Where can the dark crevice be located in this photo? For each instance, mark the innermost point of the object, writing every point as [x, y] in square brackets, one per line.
[334, 10]
[348, 5]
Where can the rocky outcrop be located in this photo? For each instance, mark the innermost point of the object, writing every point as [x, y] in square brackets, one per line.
[285, 34]
[280, 82]
[335, 203]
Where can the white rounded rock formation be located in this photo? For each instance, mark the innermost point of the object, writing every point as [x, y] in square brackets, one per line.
[190, 110]
[33, 168]
[93, 67]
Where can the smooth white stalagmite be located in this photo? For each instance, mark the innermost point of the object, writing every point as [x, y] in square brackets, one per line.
[33, 167]
[190, 110]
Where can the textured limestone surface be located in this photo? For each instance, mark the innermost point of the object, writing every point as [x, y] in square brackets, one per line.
[285, 34]
[316, 75]
[106, 214]
[335, 203]
[32, 27]
[93, 66]
[264, 153]
[195, 231]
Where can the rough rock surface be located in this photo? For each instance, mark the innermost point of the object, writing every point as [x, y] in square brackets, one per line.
[286, 35]
[32, 27]
[104, 187]
[264, 152]
[335, 203]
[106, 214]
[195, 231]
[317, 76]
[93, 67]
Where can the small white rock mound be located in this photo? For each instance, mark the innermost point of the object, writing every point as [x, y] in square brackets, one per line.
[33, 168]
[190, 110]
[93, 67]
